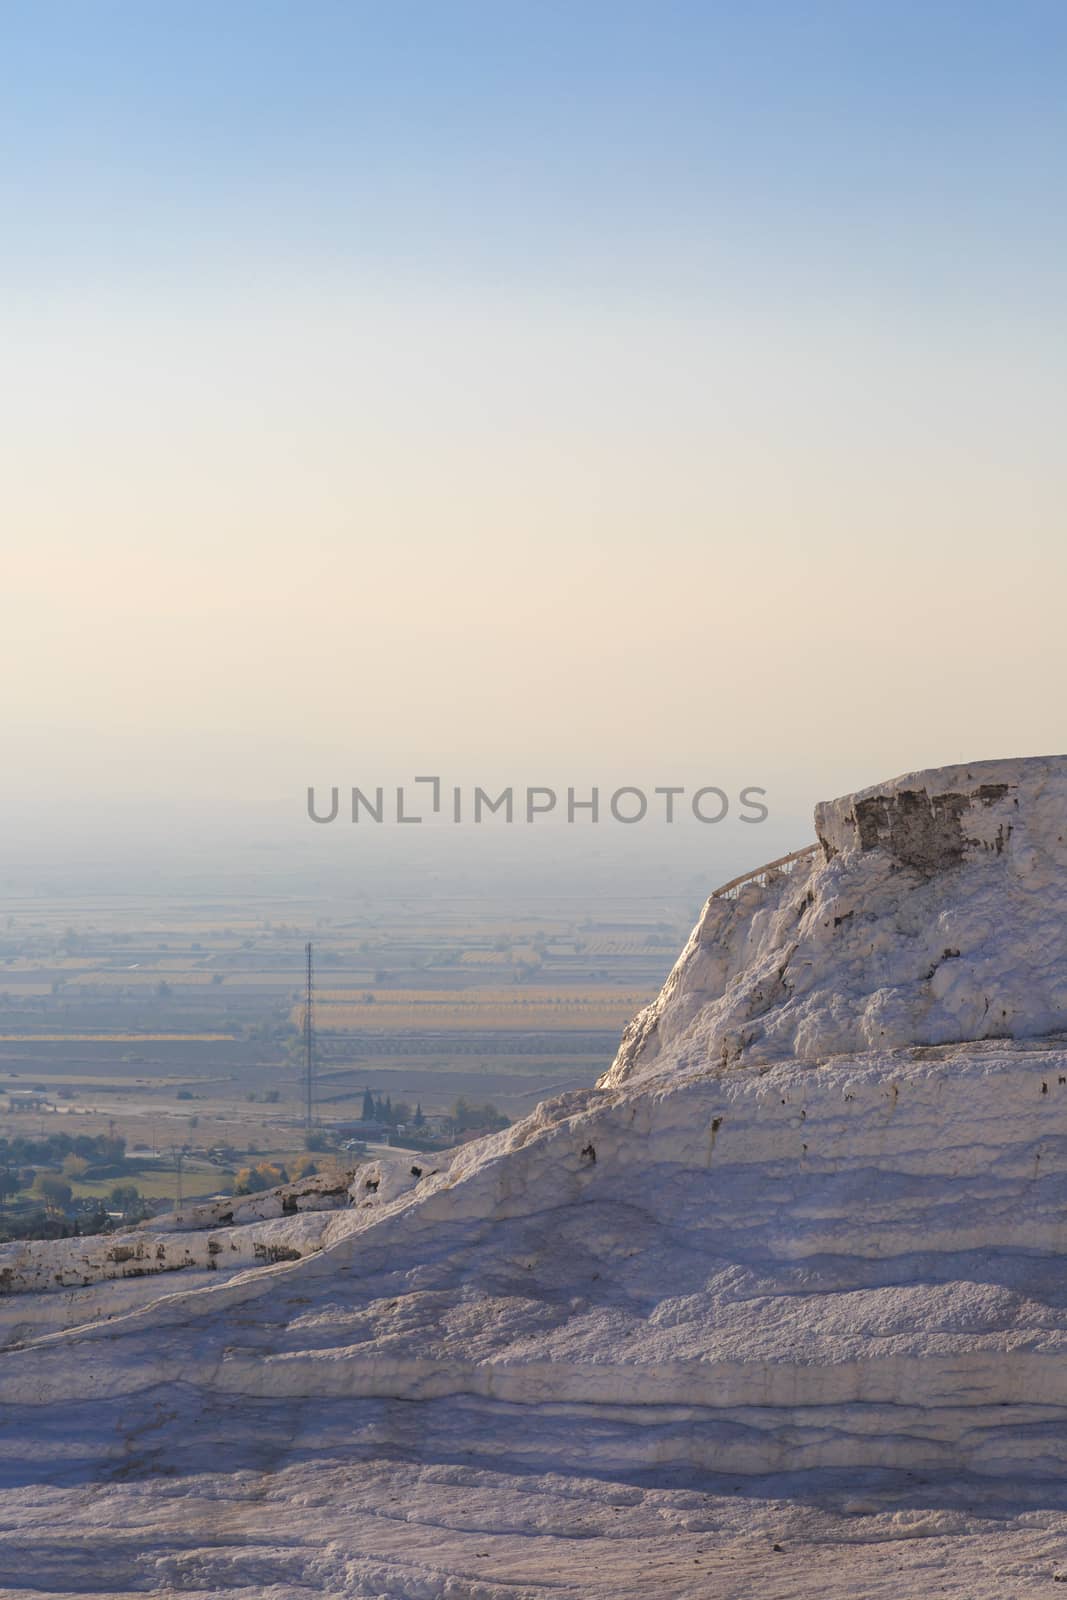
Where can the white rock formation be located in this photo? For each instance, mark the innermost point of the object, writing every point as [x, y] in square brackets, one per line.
[813, 1221]
[933, 911]
[214, 1237]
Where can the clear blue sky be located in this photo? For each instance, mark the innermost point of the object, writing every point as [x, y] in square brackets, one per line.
[856, 148]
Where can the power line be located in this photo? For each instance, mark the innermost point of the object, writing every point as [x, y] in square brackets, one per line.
[309, 1039]
[178, 1157]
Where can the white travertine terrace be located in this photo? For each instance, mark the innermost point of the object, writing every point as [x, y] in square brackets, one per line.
[812, 1220]
[935, 912]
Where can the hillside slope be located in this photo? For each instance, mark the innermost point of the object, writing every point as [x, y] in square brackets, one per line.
[809, 1231]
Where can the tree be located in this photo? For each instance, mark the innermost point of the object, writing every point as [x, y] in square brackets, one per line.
[368, 1106]
[56, 1194]
[124, 1196]
[9, 1184]
[418, 1119]
[75, 1166]
[466, 1116]
[253, 1180]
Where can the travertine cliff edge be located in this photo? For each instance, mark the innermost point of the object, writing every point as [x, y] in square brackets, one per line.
[933, 911]
[813, 1217]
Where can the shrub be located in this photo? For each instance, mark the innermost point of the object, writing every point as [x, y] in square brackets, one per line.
[253, 1180]
[50, 1187]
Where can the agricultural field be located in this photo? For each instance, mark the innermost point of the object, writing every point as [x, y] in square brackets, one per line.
[494, 1010]
[176, 1021]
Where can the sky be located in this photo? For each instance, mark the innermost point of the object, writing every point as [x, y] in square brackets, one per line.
[524, 392]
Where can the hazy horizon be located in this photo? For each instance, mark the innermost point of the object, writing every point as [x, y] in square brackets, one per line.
[524, 394]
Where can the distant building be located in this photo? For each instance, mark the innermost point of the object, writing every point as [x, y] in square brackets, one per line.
[362, 1128]
[27, 1100]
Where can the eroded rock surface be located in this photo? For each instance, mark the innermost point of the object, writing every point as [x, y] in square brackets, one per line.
[809, 1231]
[934, 912]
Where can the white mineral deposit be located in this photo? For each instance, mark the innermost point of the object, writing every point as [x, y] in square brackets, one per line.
[778, 1308]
